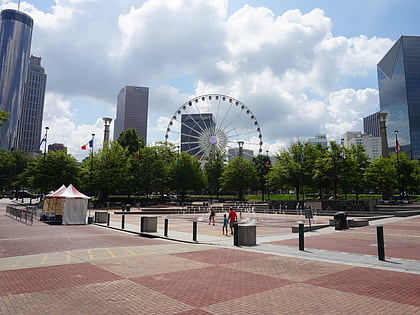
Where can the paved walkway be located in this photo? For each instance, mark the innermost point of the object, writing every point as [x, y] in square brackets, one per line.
[89, 269]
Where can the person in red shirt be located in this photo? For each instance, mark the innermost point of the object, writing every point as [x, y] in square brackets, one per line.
[232, 218]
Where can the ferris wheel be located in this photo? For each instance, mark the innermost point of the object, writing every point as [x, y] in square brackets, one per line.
[214, 123]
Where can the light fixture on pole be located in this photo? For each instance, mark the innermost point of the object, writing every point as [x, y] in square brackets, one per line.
[45, 143]
[397, 150]
[241, 147]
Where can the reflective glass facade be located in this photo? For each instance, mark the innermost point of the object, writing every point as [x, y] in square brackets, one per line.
[15, 45]
[132, 109]
[33, 107]
[399, 94]
[192, 126]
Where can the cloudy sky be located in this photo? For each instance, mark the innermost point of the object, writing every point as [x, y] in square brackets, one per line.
[303, 67]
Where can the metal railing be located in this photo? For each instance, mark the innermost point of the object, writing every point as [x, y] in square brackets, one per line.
[24, 215]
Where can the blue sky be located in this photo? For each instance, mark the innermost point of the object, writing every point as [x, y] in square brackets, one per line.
[303, 67]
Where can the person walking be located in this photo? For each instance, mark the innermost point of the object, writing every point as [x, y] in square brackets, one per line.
[211, 216]
[232, 219]
[225, 224]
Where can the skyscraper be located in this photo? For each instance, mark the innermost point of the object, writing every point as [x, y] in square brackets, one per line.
[371, 125]
[15, 45]
[399, 94]
[132, 108]
[33, 107]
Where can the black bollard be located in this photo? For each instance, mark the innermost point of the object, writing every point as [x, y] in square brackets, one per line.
[301, 236]
[380, 241]
[122, 222]
[165, 233]
[235, 234]
[108, 220]
[195, 231]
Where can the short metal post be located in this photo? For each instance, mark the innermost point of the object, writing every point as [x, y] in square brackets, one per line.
[108, 220]
[165, 231]
[380, 240]
[122, 221]
[195, 231]
[235, 234]
[301, 236]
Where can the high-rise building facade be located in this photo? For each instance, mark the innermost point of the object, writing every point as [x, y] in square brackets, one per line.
[399, 94]
[132, 109]
[192, 126]
[33, 107]
[15, 45]
[370, 143]
[321, 139]
[371, 125]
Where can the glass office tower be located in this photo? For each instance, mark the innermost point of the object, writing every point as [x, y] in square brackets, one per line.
[33, 107]
[399, 94]
[15, 45]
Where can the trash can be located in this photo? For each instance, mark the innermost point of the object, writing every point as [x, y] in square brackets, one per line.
[90, 220]
[127, 208]
[340, 221]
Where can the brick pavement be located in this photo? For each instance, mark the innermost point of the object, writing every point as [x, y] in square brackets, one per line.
[165, 278]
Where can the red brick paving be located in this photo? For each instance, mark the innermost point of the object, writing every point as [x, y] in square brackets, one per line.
[221, 256]
[388, 285]
[213, 281]
[211, 285]
[54, 277]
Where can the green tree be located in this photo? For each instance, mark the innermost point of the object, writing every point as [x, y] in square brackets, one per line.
[262, 164]
[12, 163]
[187, 175]
[239, 176]
[406, 173]
[213, 169]
[328, 170]
[153, 170]
[356, 162]
[48, 172]
[382, 175]
[3, 116]
[111, 169]
[131, 140]
[288, 171]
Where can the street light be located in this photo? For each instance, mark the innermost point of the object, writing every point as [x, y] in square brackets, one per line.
[91, 163]
[45, 143]
[241, 147]
[397, 150]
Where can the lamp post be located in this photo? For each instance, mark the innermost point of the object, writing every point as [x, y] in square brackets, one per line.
[397, 150]
[45, 143]
[91, 163]
[269, 162]
[343, 156]
[240, 193]
[241, 147]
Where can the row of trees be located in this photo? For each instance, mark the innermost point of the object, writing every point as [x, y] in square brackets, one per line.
[128, 166]
[339, 170]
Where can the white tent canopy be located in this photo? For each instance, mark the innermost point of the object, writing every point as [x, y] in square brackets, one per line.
[68, 202]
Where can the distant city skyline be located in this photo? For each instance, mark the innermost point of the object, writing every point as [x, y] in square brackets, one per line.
[304, 68]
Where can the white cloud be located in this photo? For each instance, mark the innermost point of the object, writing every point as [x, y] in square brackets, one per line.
[288, 69]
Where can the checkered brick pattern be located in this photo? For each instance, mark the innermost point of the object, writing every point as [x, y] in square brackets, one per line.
[212, 281]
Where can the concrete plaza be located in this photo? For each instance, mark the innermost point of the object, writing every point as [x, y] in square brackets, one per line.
[94, 269]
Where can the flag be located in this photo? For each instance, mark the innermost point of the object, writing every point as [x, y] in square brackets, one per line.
[43, 140]
[397, 146]
[89, 144]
